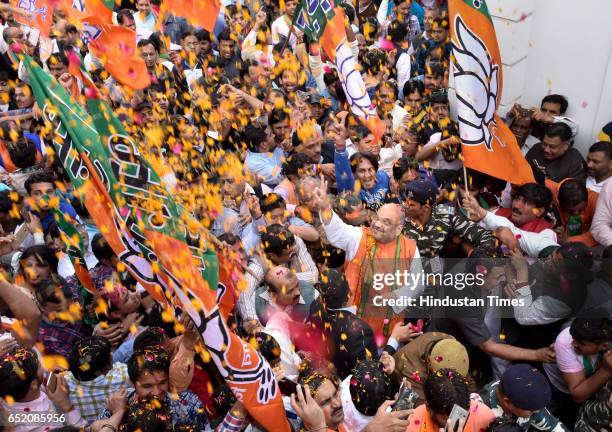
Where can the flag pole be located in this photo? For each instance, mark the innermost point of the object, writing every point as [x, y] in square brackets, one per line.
[465, 181]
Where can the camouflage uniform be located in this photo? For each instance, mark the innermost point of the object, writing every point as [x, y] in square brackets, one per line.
[443, 223]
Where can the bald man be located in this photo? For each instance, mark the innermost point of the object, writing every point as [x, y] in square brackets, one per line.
[375, 257]
[282, 305]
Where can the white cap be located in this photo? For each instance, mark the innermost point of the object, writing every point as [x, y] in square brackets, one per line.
[175, 47]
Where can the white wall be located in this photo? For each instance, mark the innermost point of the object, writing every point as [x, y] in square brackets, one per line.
[558, 46]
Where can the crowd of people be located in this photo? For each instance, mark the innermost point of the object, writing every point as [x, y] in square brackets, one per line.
[250, 129]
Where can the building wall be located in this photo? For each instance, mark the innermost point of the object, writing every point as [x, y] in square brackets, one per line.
[558, 46]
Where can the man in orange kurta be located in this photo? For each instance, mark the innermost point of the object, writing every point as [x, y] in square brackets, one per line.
[379, 262]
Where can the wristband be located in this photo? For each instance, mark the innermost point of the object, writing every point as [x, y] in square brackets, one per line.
[109, 426]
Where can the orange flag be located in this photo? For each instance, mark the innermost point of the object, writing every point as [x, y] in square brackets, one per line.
[41, 14]
[201, 13]
[488, 145]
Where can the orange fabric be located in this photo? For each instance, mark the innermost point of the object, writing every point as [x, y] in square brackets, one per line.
[587, 215]
[334, 33]
[116, 47]
[504, 160]
[201, 13]
[9, 165]
[41, 18]
[384, 263]
[480, 417]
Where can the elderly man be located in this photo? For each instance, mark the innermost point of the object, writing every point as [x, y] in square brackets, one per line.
[379, 261]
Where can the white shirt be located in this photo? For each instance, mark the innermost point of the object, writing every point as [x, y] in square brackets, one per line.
[592, 184]
[531, 243]
[280, 27]
[353, 419]
[348, 238]
[437, 161]
[601, 227]
[42, 404]
[530, 141]
[278, 326]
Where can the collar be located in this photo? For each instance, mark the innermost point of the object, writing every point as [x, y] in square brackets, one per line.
[266, 296]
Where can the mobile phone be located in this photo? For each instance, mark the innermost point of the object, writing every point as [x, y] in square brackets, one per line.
[457, 414]
[51, 382]
[287, 387]
[20, 235]
[406, 399]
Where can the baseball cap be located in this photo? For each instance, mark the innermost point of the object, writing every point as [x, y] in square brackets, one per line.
[526, 387]
[421, 190]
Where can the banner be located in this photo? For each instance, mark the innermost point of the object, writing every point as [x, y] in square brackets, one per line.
[143, 213]
[488, 145]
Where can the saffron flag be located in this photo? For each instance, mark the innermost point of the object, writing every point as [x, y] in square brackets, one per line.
[202, 13]
[119, 189]
[191, 275]
[323, 21]
[488, 145]
[41, 14]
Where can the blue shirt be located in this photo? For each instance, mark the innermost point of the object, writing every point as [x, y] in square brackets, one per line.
[266, 165]
[374, 197]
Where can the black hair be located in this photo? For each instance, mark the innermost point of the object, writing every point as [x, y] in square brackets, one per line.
[268, 347]
[560, 130]
[577, 261]
[397, 31]
[52, 289]
[358, 157]
[252, 136]
[100, 248]
[595, 330]
[334, 288]
[388, 85]
[441, 22]
[151, 336]
[373, 61]
[203, 35]
[271, 201]
[602, 146]
[148, 414]
[277, 239]
[438, 98]
[368, 387]
[537, 194]
[276, 116]
[445, 388]
[52, 230]
[411, 86]
[89, 358]
[151, 359]
[402, 165]
[225, 35]
[187, 33]
[38, 177]
[43, 255]
[124, 13]
[484, 257]
[294, 163]
[557, 99]
[572, 192]
[144, 42]
[18, 368]
[22, 152]
[349, 11]
[58, 57]
[6, 202]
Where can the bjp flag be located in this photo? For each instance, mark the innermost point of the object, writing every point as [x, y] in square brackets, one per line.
[41, 14]
[488, 145]
[201, 13]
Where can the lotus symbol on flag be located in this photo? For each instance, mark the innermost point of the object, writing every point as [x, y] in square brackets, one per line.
[477, 87]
